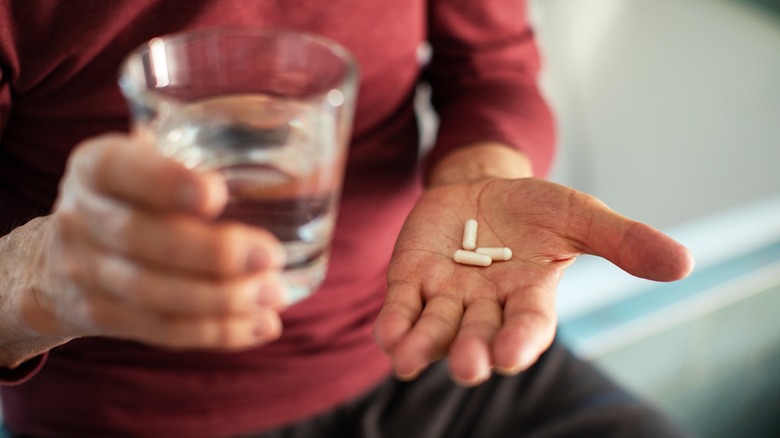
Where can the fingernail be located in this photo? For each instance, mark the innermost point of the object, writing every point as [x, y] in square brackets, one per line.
[267, 328]
[216, 194]
[468, 383]
[272, 293]
[406, 377]
[264, 257]
[207, 196]
[508, 371]
[474, 381]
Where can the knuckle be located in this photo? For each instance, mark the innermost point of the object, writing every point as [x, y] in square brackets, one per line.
[226, 248]
[112, 217]
[123, 278]
[202, 299]
[172, 248]
[92, 314]
[217, 333]
[480, 328]
[68, 223]
[89, 156]
[168, 332]
[117, 223]
[229, 337]
[228, 298]
[227, 334]
[81, 156]
[74, 270]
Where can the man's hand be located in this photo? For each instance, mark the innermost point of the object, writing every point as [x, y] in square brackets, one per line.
[131, 251]
[502, 316]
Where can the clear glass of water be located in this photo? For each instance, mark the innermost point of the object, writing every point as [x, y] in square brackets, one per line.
[271, 110]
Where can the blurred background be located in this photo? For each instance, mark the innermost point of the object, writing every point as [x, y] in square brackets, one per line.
[669, 111]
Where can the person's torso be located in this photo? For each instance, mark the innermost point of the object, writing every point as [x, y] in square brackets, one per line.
[58, 87]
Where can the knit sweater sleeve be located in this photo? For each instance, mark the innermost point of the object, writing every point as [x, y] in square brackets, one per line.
[483, 73]
[22, 373]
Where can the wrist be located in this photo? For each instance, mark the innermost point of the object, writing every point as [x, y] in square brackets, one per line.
[20, 266]
[479, 161]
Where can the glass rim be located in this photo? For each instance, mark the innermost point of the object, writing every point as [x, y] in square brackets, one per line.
[130, 88]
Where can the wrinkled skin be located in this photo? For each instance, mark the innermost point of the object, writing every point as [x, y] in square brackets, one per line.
[131, 251]
[502, 316]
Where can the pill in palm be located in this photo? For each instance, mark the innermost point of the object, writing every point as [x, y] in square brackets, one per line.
[470, 235]
[496, 254]
[471, 258]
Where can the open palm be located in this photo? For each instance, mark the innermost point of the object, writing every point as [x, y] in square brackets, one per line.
[502, 316]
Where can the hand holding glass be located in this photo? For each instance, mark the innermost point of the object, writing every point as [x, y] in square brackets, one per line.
[270, 110]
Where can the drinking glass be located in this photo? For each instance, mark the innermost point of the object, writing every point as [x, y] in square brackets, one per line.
[271, 110]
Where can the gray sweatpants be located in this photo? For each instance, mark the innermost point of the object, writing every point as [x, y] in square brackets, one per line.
[560, 396]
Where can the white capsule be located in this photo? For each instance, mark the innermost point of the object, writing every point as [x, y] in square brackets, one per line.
[471, 258]
[496, 254]
[470, 235]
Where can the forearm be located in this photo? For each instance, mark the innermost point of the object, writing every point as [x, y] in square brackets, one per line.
[483, 74]
[478, 161]
[20, 272]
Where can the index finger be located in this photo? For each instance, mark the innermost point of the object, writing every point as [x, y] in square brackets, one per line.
[119, 166]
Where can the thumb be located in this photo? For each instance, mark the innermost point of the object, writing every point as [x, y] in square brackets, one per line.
[637, 248]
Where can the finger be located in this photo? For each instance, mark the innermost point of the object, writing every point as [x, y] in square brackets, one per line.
[179, 242]
[118, 166]
[430, 337]
[470, 357]
[636, 248]
[528, 329]
[155, 291]
[402, 308]
[107, 317]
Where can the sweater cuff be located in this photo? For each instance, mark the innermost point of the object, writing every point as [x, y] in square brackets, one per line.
[22, 373]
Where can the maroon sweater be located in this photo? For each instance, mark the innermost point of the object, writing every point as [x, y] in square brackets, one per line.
[58, 86]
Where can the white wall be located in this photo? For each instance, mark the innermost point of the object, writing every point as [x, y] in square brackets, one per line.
[668, 109]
